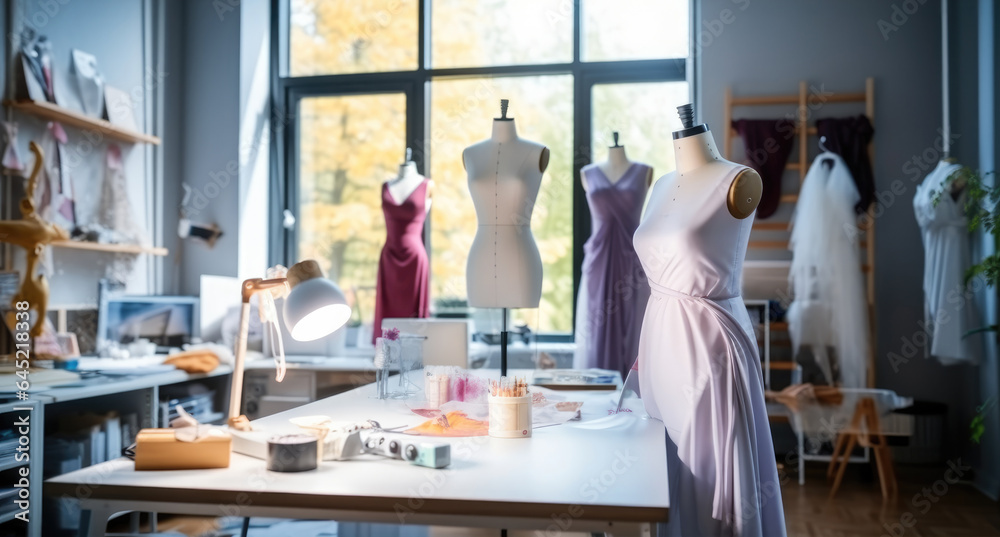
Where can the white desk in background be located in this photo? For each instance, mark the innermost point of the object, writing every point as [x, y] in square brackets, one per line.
[307, 379]
[605, 473]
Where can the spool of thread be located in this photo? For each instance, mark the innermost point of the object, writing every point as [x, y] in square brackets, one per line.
[292, 453]
[510, 417]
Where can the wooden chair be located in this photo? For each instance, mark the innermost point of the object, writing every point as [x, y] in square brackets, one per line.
[864, 431]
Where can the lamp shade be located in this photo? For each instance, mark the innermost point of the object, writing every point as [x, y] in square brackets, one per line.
[315, 308]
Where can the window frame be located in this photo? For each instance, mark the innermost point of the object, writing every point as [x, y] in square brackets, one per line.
[287, 92]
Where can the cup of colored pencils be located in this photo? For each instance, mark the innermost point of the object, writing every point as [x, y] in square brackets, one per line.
[510, 408]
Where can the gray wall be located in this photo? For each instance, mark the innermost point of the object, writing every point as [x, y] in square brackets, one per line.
[223, 120]
[989, 114]
[767, 48]
[122, 59]
[965, 87]
[173, 134]
[193, 63]
[210, 139]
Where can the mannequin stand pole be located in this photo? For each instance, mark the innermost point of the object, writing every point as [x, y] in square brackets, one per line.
[503, 344]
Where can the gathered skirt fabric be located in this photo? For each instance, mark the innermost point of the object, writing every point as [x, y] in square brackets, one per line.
[700, 374]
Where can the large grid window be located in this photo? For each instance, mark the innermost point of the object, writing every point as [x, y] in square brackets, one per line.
[362, 81]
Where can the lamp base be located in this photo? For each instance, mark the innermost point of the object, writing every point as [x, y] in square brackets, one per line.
[239, 423]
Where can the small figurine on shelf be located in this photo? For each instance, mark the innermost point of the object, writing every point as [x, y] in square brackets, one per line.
[32, 233]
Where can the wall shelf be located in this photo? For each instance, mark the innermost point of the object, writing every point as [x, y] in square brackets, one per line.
[110, 248]
[54, 112]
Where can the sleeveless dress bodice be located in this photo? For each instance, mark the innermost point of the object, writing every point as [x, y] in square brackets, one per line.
[701, 257]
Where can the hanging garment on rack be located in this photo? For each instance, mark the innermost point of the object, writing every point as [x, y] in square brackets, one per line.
[116, 220]
[613, 286]
[829, 309]
[699, 365]
[849, 137]
[55, 193]
[767, 144]
[403, 286]
[946, 258]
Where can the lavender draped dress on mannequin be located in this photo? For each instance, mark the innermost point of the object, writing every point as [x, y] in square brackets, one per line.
[699, 368]
[613, 288]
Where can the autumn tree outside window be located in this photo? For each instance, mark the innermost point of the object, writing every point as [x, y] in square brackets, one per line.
[363, 80]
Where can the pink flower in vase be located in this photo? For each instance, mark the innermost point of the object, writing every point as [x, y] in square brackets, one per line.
[391, 334]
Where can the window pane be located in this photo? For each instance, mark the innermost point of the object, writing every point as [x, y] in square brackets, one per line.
[461, 114]
[634, 29]
[343, 36]
[479, 33]
[348, 146]
[645, 116]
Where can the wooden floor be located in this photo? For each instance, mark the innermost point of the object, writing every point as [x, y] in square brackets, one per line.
[927, 504]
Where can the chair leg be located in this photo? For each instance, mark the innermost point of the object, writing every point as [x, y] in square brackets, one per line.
[837, 446]
[843, 465]
[890, 470]
[802, 461]
[883, 479]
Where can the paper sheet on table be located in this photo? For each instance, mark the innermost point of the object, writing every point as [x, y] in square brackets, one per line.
[459, 418]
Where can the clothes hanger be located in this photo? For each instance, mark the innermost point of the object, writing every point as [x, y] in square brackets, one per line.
[827, 161]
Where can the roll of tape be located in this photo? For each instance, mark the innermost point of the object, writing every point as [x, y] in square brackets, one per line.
[292, 453]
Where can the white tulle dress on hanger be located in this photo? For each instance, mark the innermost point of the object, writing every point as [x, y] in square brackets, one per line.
[829, 310]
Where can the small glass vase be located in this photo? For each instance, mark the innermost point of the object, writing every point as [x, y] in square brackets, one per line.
[386, 354]
[410, 356]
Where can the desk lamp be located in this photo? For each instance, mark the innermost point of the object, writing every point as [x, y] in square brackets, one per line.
[314, 307]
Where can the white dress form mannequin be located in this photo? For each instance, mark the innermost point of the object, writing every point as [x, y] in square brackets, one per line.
[616, 165]
[504, 269]
[699, 368]
[406, 182]
[698, 163]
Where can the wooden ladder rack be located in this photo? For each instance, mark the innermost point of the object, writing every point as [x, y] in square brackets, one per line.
[803, 131]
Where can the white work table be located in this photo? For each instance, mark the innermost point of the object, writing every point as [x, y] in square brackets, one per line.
[605, 473]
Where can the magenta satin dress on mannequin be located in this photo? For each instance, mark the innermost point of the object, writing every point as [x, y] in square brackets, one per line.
[699, 368]
[613, 288]
[403, 289]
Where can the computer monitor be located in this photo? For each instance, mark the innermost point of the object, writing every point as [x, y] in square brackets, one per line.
[167, 321]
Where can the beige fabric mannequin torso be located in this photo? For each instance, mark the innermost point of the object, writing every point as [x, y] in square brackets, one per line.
[504, 268]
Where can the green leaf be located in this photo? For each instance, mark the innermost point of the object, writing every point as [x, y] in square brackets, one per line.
[990, 328]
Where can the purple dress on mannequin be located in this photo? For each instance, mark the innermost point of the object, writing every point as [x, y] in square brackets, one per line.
[613, 286]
